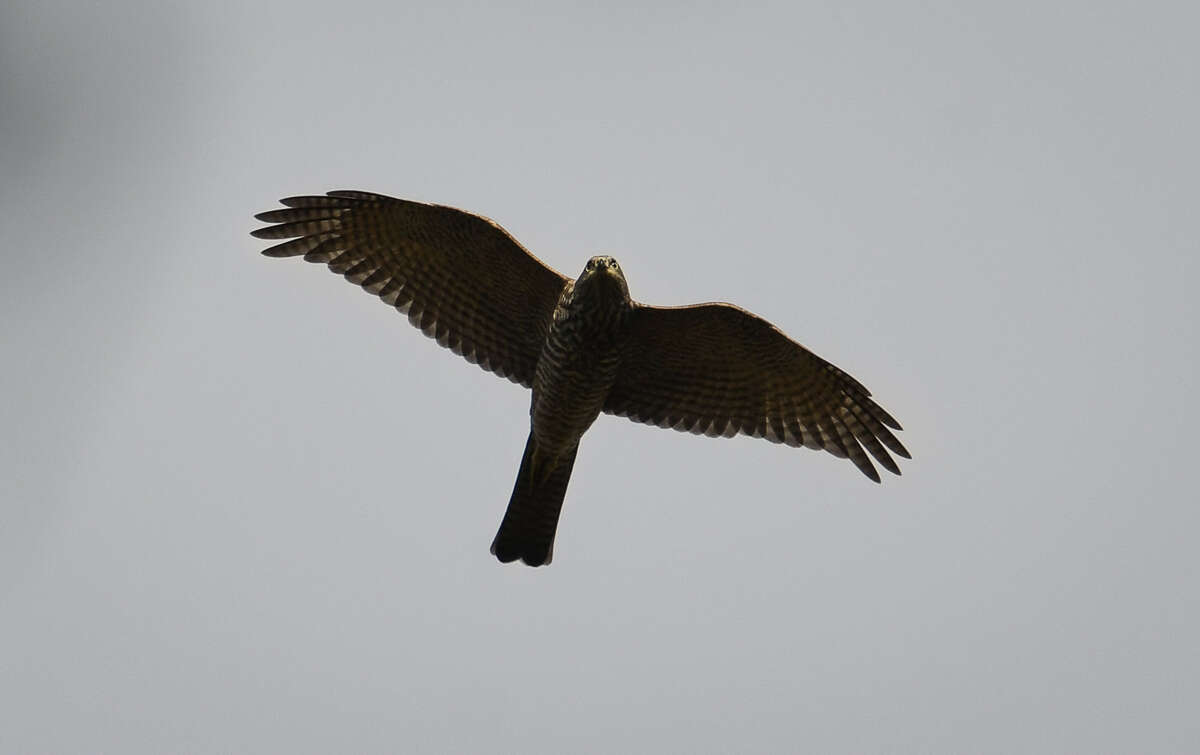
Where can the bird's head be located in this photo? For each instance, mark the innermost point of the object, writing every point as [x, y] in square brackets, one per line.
[602, 276]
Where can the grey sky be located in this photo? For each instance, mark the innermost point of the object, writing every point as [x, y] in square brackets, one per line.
[246, 507]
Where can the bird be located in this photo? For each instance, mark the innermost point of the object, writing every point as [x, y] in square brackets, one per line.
[582, 346]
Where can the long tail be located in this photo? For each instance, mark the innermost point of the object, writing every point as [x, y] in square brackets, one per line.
[527, 532]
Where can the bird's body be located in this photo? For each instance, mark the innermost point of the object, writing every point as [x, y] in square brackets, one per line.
[574, 375]
[583, 346]
[579, 362]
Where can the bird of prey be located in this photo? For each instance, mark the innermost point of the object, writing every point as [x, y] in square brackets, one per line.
[583, 346]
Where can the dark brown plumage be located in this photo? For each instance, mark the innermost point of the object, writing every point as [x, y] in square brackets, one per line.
[583, 346]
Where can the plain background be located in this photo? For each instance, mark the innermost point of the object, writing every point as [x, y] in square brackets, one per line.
[246, 507]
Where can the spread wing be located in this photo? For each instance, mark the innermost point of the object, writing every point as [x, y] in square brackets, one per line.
[717, 369]
[459, 277]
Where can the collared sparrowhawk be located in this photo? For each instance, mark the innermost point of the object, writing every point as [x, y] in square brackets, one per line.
[582, 346]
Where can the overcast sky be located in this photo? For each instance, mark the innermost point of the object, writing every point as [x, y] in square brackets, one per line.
[245, 507]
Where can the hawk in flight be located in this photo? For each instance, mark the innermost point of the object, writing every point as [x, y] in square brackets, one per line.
[582, 346]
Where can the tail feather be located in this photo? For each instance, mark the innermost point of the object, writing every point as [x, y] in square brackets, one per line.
[527, 531]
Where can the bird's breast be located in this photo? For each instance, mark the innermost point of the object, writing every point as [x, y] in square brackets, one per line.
[577, 367]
